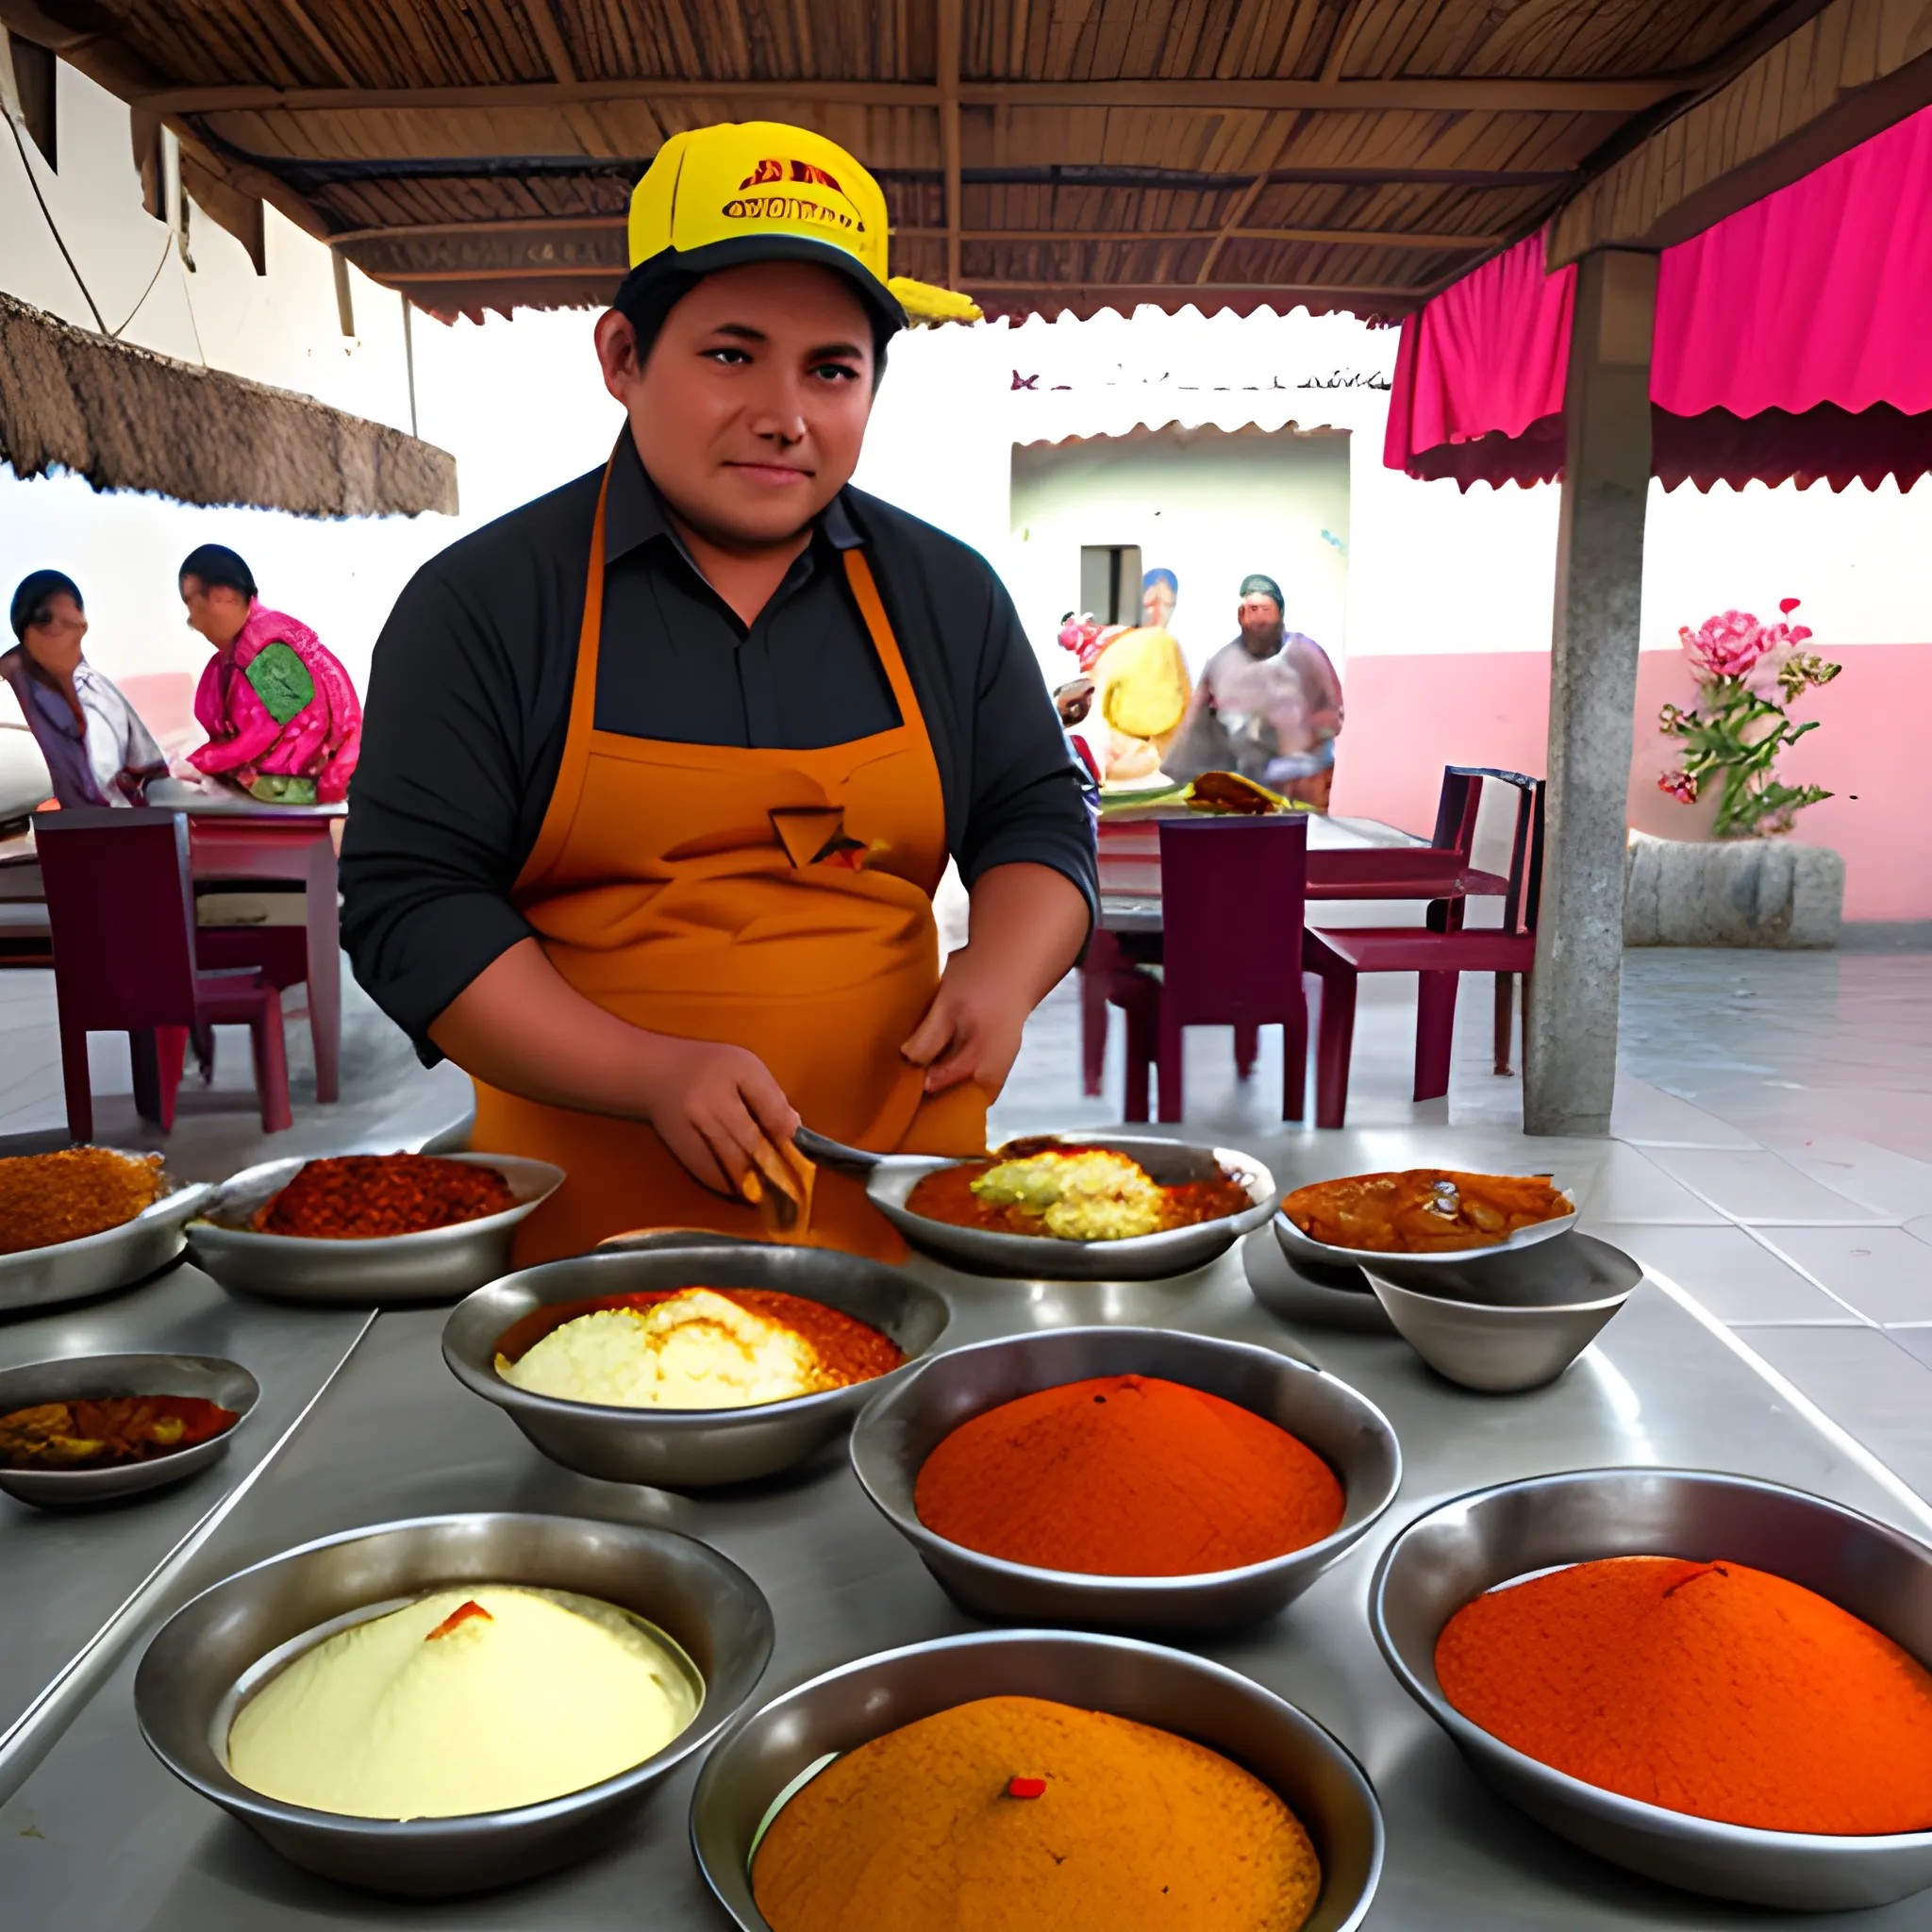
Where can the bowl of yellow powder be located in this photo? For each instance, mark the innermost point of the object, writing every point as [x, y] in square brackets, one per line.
[691, 1360]
[455, 1703]
[1070, 1783]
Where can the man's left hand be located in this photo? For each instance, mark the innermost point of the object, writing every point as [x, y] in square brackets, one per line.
[972, 1030]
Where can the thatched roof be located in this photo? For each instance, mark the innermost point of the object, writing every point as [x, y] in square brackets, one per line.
[1041, 153]
[127, 419]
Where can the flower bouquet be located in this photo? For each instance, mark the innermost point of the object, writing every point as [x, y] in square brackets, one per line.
[1747, 672]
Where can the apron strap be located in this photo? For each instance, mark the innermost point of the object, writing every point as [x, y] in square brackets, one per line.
[562, 809]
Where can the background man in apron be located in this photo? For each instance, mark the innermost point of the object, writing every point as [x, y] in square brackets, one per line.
[660, 771]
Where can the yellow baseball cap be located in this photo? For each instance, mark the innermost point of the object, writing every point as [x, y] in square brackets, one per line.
[761, 190]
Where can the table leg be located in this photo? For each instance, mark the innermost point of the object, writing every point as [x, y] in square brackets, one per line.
[325, 973]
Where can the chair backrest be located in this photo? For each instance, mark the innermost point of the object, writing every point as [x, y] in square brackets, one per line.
[1233, 892]
[121, 908]
[1463, 786]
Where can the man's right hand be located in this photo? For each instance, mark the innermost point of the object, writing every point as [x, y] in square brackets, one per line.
[719, 1109]
[521, 1027]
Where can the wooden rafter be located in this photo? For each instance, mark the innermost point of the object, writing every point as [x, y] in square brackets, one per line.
[1339, 237]
[1849, 72]
[1244, 202]
[319, 41]
[542, 19]
[950, 31]
[1346, 31]
[1465, 94]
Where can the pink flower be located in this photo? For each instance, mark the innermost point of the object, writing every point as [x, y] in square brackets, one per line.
[1726, 647]
[1680, 785]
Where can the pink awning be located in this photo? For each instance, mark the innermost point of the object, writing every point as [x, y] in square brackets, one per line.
[1791, 342]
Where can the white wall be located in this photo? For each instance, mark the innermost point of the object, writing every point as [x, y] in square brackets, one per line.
[1208, 506]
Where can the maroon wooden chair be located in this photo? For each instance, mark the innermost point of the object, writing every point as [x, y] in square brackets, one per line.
[1233, 892]
[1439, 954]
[122, 911]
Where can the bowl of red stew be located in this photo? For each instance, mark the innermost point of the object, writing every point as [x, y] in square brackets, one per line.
[363, 1229]
[688, 1361]
[91, 1429]
[1077, 1206]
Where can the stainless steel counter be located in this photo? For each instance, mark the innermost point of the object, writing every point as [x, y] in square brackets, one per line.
[100, 1836]
[65, 1575]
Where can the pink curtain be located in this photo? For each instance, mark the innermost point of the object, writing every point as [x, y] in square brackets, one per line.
[1791, 341]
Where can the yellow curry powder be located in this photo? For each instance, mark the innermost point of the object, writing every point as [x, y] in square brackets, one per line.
[920, 1831]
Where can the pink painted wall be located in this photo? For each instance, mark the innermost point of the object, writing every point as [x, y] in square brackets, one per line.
[1409, 716]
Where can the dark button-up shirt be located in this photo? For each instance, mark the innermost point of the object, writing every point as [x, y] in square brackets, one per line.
[470, 693]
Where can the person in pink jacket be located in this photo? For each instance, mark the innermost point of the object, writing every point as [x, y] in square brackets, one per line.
[282, 719]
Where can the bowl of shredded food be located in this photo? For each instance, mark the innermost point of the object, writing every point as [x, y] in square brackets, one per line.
[82, 1220]
[1718, 1682]
[91, 1429]
[1086, 1783]
[361, 1228]
[1067, 1206]
[688, 1361]
[1421, 1214]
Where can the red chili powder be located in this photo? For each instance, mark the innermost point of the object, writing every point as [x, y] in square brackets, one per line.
[1705, 1688]
[1126, 1476]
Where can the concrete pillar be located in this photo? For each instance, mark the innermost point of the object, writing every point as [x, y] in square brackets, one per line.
[1570, 1036]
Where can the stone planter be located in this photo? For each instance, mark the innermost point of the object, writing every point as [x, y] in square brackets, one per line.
[1732, 892]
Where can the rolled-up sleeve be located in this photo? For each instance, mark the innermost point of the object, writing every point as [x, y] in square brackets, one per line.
[439, 807]
[1026, 804]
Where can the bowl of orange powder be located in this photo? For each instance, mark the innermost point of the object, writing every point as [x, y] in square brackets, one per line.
[854, 1324]
[1087, 1783]
[1716, 1682]
[1131, 1476]
[363, 1228]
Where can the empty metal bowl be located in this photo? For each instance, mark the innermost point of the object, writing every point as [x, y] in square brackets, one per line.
[436, 1265]
[1138, 1257]
[902, 1425]
[762, 1755]
[1461, 1549]
[1297, 1290]
[1298, 1247]
[97, 1263]
[185, 1689]
[1508, 1320]
[689, 1448]
[90, 1377]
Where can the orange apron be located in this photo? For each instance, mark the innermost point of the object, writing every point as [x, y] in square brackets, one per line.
[780, 901]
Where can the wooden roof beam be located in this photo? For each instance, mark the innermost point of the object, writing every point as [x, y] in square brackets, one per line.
[540, 226]
[1841, 78]
[1469, 94]
[950, 31]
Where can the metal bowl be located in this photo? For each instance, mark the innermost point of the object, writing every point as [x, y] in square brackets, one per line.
[1458, 1551]
[1300, 1247]
[689, 1448]
[1511, 1321]
[436, 1265]
[97, 1263]
[1138, 1257]
[902, 1426]
[756, 1763]
[1307, 1291]
[91, 1376]
[185, 1689]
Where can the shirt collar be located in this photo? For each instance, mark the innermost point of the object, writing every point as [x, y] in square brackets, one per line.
[634, 512]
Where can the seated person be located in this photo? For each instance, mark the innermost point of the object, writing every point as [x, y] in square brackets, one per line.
[97, 750]
[282, 719]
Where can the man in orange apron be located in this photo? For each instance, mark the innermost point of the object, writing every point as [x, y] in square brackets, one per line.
[660, 772]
